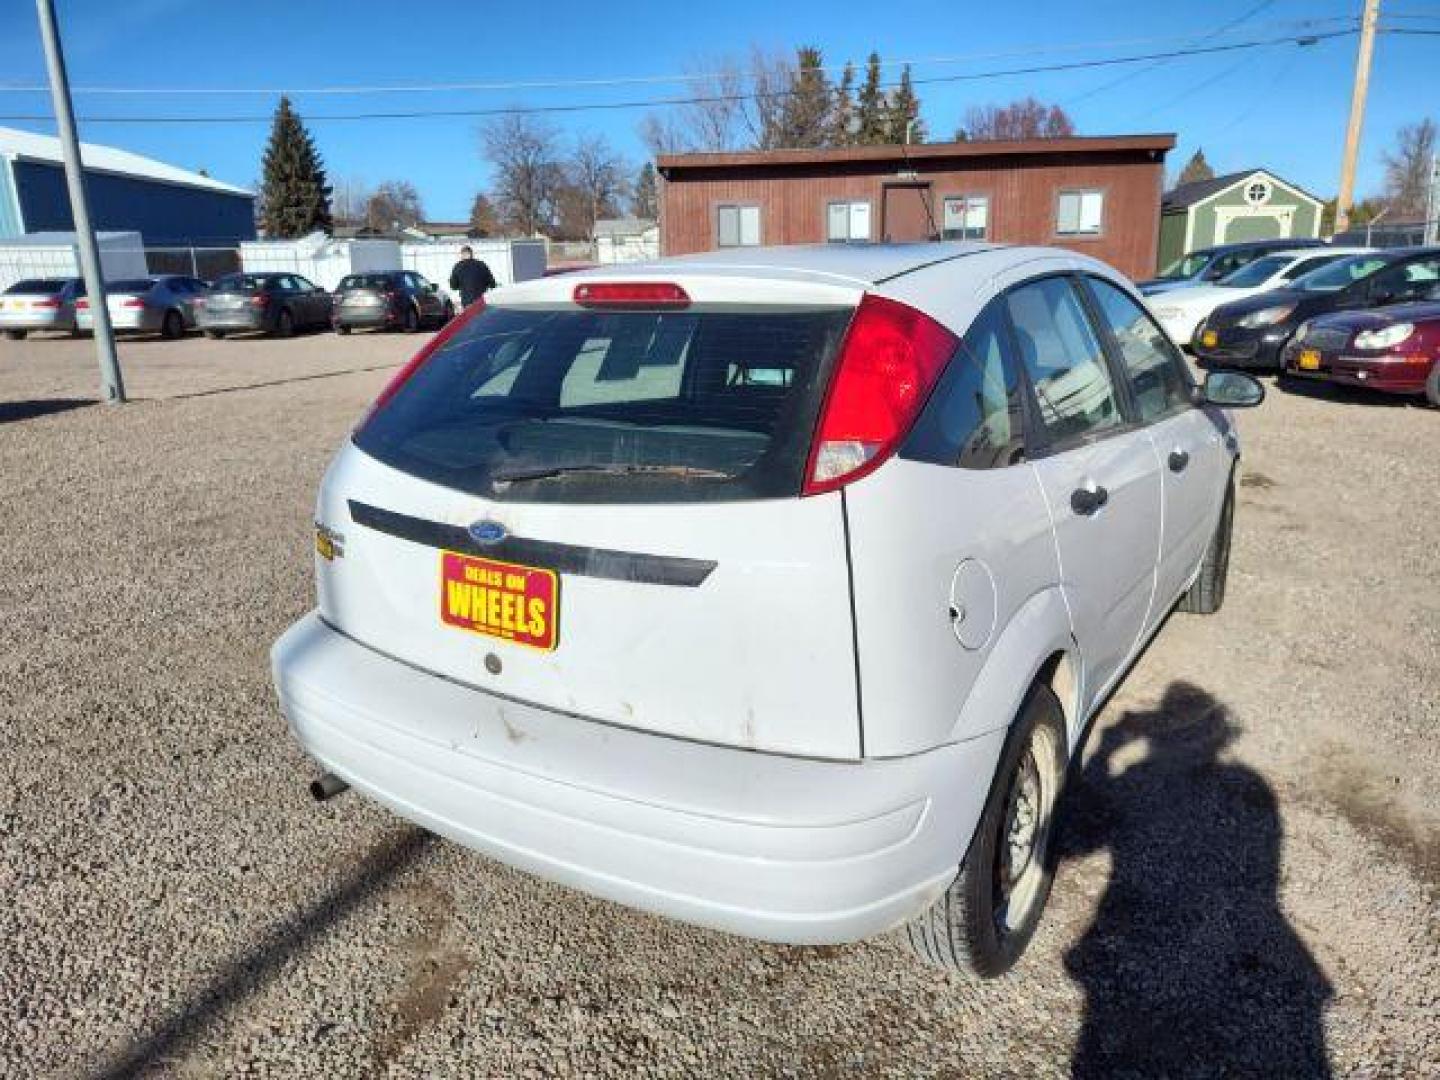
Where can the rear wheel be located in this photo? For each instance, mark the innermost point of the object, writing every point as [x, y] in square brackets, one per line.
[15, 335]
[984, 920]
[1208, 593]
[1432, 385]
[412, 320]
[173, 325]
[285, 323]
[216, 334]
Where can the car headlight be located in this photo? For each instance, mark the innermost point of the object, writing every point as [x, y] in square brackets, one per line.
[1384, 338]
[1266, 316]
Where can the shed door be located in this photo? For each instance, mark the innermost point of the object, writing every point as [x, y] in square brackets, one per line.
[906, 213]
[1257, 227]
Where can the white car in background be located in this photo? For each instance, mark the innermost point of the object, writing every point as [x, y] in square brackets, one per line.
[730, 587]
[1181, 311]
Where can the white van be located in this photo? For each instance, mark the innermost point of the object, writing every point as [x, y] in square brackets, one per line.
[771, 589]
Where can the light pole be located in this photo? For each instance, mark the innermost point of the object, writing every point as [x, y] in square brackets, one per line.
[112, 386]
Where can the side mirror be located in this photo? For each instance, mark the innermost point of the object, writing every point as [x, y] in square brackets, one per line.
[1233, 390]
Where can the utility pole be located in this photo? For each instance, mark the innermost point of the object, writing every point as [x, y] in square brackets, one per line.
[1357, 115]
[1432, 203]
[112, 386]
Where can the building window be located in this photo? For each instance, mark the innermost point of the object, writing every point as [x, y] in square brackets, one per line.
[848, 221]
[1080, 213]
[967, 217]
[739, 226]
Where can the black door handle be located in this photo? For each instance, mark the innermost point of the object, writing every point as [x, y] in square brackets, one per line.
[1178, 460]
[1088, 500]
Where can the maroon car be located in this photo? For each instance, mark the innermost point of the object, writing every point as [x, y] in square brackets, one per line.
[1395, 349]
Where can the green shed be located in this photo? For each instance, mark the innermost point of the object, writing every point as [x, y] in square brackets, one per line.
[1251, 205]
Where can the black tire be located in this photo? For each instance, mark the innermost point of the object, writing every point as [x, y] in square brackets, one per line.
[447, 313]
[284, 323]
[16, 335]
[971, 927]
[173, 325]
[339, 329]
[411, 322]
[1432, 385]
[1206, 596]
[216, 334]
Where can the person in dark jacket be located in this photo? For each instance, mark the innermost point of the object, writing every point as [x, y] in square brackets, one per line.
[471, 278]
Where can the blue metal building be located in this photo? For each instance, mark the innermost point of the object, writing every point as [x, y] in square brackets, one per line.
[166, 205]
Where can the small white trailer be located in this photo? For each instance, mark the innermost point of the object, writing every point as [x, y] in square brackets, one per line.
[56, 255]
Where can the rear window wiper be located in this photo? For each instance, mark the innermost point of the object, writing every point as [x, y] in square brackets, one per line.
[549, 472]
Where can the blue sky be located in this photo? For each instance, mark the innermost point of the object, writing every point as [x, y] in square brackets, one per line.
[1283, 107]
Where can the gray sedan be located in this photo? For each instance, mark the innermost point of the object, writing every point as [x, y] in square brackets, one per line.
[164, 304]
[39, 304]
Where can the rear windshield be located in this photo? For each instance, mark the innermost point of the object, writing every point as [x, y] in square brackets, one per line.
[241, 283]
[36, 287]
[578, 406]
[130, 285]
[365, 281]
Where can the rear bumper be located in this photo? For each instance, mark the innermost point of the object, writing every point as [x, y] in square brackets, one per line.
[135, 320]
[231, 320]
[779, 848]
[36, 320]
[359, 318]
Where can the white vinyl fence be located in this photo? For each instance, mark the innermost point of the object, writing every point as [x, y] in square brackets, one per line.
[320, 259]
[509, 260]
[55, 254]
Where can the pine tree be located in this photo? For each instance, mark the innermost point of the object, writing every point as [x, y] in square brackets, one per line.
[1197, 168]
[904, 112]
[842, 112]
[872, 107]
[294, 192]
[805, 116]
[645, 202]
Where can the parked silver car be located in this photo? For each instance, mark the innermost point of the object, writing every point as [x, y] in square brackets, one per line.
[163, 304]
[39, 304]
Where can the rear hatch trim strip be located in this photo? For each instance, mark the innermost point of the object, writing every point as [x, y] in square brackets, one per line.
[564, 558]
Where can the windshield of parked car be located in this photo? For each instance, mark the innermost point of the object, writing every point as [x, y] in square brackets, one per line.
[36, 287]
[1339, 274]
[1255, 273]
[1187, 266]
[615, 406]
[365, 281]
[241, 283]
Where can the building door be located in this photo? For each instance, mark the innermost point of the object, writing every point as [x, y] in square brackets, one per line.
[907, 213]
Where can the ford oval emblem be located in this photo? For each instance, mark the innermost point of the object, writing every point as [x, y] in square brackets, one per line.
[488, 532]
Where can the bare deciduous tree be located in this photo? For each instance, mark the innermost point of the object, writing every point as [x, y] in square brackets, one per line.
[1407, 170]
[1023, 119]
[598, 172]
[524, 153]
[395, 204]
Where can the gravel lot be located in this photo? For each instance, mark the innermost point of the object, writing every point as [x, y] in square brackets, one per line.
[1251, 857]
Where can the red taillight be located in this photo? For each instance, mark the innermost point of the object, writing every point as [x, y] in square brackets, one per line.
[134, 302]
[260, 299]
[645, 295]
[52, 304]
[889, 363]
[82, 304]
[417, 361]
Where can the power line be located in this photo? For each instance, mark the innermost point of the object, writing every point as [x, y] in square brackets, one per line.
[420, 114]
[421, 87]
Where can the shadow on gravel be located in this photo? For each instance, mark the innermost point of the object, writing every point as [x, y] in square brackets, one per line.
[1190, 967]
[1343, 394]
[248, 974]
[276, 382]
[11, 411]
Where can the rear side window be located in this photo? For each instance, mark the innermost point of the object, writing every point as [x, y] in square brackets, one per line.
[974, 417]
[39, 287]
[1158, 382]
[571, 405]
[241, 283]
[1063, 359]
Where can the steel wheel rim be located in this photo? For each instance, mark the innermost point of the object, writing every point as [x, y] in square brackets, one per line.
[1024, 841]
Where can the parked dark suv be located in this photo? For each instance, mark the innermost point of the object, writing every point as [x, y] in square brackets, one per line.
[1252, 333]
[270, 303]
[396, 299]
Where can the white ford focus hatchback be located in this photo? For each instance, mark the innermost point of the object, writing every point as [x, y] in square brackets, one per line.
[769, 590]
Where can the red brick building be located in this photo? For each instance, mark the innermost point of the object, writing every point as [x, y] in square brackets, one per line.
[1100, 196]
